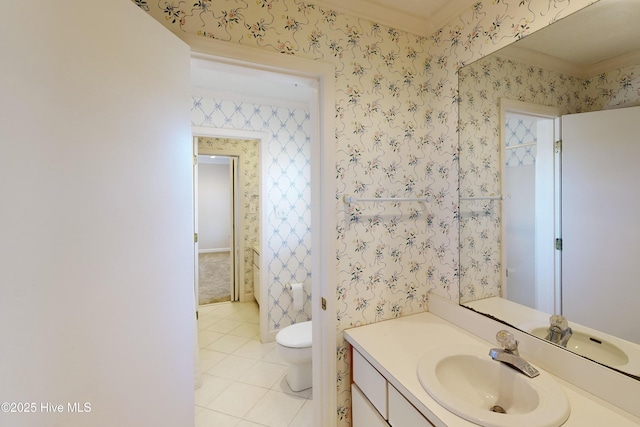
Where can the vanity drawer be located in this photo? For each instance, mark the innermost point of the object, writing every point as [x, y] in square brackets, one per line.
[363, 412]
[371, 382]
[402, 413]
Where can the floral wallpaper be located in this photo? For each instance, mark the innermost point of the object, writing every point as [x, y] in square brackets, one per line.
[613, 89]
[286, 174]
[396, 136]
[249, 183]
[482, 84]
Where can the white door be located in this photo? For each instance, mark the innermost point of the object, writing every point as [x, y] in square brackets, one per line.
[600, 233]
[196, 251]
[96, 270]
[236, 226]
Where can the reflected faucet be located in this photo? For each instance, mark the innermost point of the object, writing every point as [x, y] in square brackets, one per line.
[559, 331]
[509, 354]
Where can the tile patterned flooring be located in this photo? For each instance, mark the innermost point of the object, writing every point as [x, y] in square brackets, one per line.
[243, 380]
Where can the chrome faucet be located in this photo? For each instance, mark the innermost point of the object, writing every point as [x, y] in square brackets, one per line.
[559, 331]
[509, 354]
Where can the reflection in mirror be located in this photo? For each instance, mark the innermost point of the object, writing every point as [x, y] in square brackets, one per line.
[587, 62]
[530, 201]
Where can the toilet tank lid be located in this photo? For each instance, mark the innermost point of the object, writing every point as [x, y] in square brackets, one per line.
[297, 335]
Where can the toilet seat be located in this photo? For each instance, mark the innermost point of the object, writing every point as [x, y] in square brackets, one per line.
[295, 336]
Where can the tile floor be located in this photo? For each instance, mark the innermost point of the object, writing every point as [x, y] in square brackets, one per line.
[243, 380]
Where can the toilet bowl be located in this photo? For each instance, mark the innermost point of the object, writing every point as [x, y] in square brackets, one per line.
[294, 346]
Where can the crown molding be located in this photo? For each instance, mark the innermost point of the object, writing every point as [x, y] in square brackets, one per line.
[549, 62]
[424, 24]
[631, 58]
[542, 60]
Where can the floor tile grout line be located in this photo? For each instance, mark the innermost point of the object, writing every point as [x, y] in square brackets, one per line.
[249, 410]
[296, 415]
[261, 357]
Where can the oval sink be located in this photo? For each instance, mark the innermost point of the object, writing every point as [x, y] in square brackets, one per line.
[591, 346]
[467, 382]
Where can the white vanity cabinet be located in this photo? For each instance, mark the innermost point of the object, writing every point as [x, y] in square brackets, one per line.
[377, 403]
[363, 412]
[371, 382]
[402, 413]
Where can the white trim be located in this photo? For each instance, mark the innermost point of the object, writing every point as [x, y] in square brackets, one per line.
[553, 63]
[411, 20]
[239, 275]
[626, 60]
[526, 144]
[200, 92]
[212, 251]
[542, 60]
[535, 110]
[227, 133]
[262, 137]
[529, 109]
[323, 211]
[196, 230]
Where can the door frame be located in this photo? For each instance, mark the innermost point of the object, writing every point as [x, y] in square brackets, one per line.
[323, 203]
[236, 243]
[237, 235]
[542, 112]
[236, 282]
[236, 246]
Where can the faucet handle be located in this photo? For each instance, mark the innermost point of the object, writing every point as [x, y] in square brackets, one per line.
[507, 341]
[559, 322]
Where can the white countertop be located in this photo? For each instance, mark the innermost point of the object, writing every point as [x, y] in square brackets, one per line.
[394, 348]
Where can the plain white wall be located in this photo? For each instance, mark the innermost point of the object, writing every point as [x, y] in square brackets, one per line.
[95, 166]
[214, 207]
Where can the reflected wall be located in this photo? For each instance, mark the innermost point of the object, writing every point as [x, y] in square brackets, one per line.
[482, 85]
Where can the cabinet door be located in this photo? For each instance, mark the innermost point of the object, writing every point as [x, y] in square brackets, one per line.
[363, 412]
[402, 413]
[371, 383]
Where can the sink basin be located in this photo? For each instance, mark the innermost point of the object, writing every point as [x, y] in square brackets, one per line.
[467, 382]
[591, 346]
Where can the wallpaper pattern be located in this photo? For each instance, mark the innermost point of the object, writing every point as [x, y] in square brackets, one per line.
[287, 180]
[482, 84]
[520, 133]
[249, 183]
[397, 118]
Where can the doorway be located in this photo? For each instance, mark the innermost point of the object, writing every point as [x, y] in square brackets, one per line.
[234, 206]
[218, 228]
[530, 208]
[321, 78]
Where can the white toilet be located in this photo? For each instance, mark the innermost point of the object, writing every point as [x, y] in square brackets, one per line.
[294, 346]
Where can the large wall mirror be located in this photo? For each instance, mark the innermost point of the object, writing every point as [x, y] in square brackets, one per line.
[522, 194]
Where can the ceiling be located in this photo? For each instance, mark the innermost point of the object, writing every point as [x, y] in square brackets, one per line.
[244, 84]
[421, 17]
[213, 160]
[587, 42]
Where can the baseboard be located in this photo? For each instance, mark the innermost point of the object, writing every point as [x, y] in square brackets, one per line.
[271, 335]
[210, 251]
